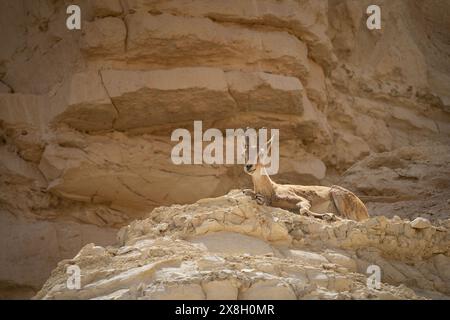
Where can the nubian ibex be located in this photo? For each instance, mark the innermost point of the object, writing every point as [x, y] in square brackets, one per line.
[329, 203]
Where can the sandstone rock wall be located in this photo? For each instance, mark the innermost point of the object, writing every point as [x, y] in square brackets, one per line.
[86, 115]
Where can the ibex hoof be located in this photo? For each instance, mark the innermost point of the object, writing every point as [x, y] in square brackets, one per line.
[260, 199]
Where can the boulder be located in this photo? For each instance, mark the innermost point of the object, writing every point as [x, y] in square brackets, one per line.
[420, 223]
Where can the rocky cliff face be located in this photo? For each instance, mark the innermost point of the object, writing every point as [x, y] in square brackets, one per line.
[86, 117]
[231, 248]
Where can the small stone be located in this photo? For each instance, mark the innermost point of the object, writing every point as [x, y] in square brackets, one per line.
[420, 223]
[297, 234]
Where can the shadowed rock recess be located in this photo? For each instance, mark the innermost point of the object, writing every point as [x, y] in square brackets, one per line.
[86, 118]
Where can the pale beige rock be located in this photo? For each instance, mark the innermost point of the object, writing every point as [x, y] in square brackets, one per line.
[413, 119]
[163, 96]
[89, 174]
[307, 168]
[265, 93]
[349, 149]
[181, 265]
[32, 248]
[24, 109]
[315, 85]
[122, 294]
[309, 258]
[87, 105]
[265, 290]
[441, 263]
[86, 118]
[104, 8]
[133, 93]
[233, 243]
[170, 40]
[318, 278]
[38, 51]
[420, 223]
[341, 260]
[176, 292]
[104, 36]
[250, 90]
[306, 19]
[407, 182]
[364, 118]
[220, 290]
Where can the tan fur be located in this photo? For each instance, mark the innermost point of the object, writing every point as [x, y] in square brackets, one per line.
[318, 201]
[349, 205]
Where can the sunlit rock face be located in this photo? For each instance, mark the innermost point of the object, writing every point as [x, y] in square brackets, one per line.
[232, 248]
[86, 115]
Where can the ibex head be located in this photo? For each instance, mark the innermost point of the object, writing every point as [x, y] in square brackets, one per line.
[255, 160]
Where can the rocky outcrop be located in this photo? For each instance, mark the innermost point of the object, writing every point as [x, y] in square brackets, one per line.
[30, 247]
[86, 115]
[408, 182]
[231, 248]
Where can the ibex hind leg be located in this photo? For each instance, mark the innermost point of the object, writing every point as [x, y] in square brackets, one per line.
[348, 205]
[305, 205]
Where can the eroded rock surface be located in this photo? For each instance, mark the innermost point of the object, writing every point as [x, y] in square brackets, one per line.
[86, 115]
[409, 181]
[231, 248]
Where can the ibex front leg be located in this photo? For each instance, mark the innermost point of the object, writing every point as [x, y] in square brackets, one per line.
[260, 199]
